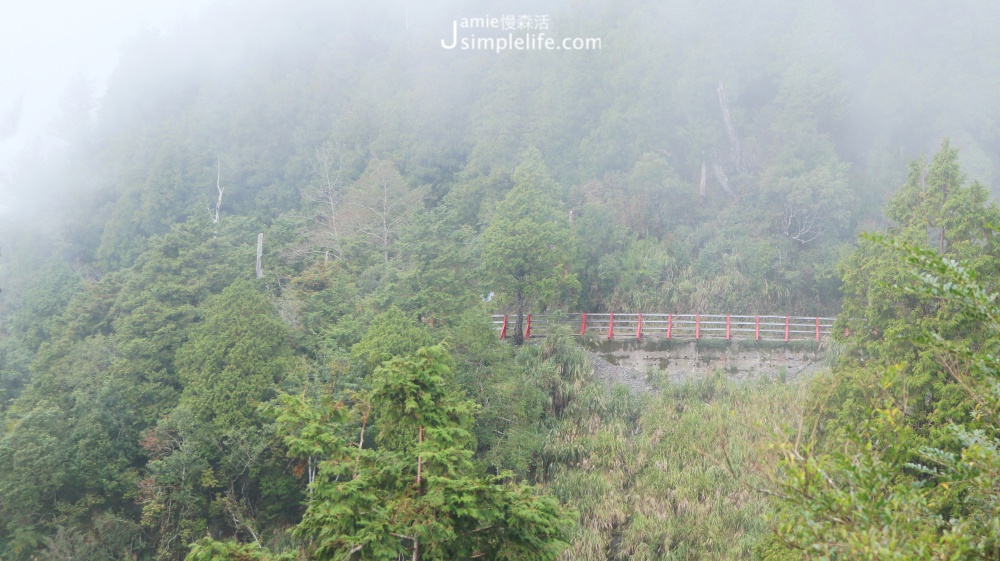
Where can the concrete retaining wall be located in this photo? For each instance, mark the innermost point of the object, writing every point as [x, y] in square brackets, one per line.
[737, 359]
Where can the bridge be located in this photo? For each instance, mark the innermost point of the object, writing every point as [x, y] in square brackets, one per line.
[686, 327]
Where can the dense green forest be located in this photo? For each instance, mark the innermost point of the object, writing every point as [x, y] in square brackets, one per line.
[160, 399]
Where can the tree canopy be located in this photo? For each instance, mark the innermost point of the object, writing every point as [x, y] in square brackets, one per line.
[528, 245]
[709, 157]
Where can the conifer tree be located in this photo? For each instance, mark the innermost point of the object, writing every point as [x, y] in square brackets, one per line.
[528, 246]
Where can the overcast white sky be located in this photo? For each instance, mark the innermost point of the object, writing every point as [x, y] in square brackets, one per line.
[45, 44]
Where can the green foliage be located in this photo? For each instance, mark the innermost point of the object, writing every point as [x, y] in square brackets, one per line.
[109, 537]
[874, 495]
[418, 402]
[420, 489]
[79, 439]
[381, 205]
[528, 246]
[389, 175]
[646, 478]
[858, 504]
[391, 333]
[33, 323]
[473, 198]
[198, 481]
[936, 206]
[234, 358]
[209, 464]
[438, 280]
[44, 302]
[885, 324]
[33, 457]
[637, 277]
[14, 370]
[207, 549]
[324, 300]
[888, 476]
[558, 367]
[175, 494]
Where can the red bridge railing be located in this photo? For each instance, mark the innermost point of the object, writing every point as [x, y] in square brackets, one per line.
[675, 326]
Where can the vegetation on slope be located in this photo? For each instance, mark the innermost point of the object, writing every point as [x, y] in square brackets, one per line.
[404, 193]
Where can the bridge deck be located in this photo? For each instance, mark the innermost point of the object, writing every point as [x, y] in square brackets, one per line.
[674, 326]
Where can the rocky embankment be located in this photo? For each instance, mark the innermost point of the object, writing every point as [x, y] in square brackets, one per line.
[636, 365]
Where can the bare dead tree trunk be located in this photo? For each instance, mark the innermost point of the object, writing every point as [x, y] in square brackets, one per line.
[704, 176]
[386, 204]
[366, 409]
[219, 188]
[260, 251]
[420, 469]
[232, 504]
[735, 148]
[328, 169]
[311, 471]
[720, 174]
[385, 220]
[944, 188]
[420, 460]
[801, 225]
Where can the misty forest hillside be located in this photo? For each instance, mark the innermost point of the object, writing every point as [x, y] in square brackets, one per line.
[162, 399]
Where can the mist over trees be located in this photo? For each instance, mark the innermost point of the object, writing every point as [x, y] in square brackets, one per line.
[709, 157]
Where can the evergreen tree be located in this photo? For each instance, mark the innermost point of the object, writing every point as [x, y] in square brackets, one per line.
[234, 359]
[418, 494]
[391, 333]
[528, 248]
